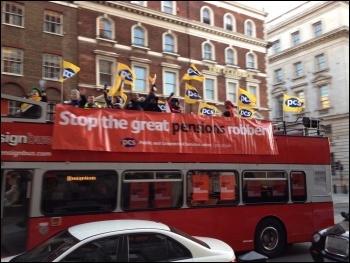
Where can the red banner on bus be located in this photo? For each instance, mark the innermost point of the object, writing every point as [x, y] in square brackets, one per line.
[140, 131]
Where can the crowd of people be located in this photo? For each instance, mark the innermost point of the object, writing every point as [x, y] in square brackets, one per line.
[81, 100]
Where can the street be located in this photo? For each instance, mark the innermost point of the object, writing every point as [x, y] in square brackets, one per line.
[300, 252]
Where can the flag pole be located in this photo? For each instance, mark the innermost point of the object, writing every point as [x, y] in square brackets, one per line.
[62, 92]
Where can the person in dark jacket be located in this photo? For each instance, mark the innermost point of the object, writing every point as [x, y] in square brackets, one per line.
[152, 105]
[174, 104]
[30, 110]
[229, 109]
[77, 99]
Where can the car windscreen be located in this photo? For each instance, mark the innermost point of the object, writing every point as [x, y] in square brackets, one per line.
[48, 250]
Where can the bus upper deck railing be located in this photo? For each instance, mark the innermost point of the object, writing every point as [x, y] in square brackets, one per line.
[11, 105]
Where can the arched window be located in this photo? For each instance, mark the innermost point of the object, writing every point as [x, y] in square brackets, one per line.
[139, 37]
[105, 28]
[230, 56]
[169, 43]
[228, 22]
[206, 16]
[250, 61]
[207, 52]
[249, 28]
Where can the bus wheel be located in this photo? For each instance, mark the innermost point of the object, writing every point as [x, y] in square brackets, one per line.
[270, 238]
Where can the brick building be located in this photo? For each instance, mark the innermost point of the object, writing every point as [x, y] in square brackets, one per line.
[224, 39]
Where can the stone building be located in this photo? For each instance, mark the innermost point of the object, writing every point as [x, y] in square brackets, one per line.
[309, 58]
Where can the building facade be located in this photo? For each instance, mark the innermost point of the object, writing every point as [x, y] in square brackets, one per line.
[224, 39]
[309, 58]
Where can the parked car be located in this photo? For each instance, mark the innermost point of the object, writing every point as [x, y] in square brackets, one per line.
[332, 244]
[126, 241]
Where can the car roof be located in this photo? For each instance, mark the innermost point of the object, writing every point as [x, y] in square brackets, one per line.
[86, 230]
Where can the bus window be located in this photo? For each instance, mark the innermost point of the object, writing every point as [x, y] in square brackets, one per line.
[298, 186]
[151, 190]
[265, 187]
[209, 188]
[72, 192]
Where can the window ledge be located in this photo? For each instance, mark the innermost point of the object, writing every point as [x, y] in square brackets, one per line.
[170, 54]
[324, 111]
[136, 47]
[320, 70]
[253, 70]
[279, 83]
[101, 39]
[209, 61]
[300, 77]
[232, 66]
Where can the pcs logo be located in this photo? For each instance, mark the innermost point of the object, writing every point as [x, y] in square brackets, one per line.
[192, 94]
[208, 111]
[127, 74]
[245, 113]
[244, 99]
[294, 103]
[128, 142]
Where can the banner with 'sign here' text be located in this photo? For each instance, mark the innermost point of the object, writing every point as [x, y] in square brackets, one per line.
[140, 131]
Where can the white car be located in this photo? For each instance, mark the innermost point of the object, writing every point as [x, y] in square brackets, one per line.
[126, 241]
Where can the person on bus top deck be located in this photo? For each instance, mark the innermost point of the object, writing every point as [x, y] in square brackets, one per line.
[229, 109]
[111, 102]
[91, 103]
[77, 99]
[30, 110]
[174, 104]
[137, 103]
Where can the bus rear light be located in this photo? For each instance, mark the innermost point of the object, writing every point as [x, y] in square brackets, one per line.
[56, 221]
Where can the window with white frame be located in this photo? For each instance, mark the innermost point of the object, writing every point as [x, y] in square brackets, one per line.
[168, 7]
[206, 16]
[279, 108]
[169, 43]
[170, 82]
[228, 22]
[207, 52]
[230, 56]
[277, 46]
[295, 38]
[12, 60]
[52, 66]
[320, 62]
[278, 75]
[53, 22]
[254, 91]
[232, 91]
[105, 72]
[141, 80]
[138, 36]
[324, 97]
[209, 89]
[250, 61]
[249, 28]
[298, 69]
[105, 28]
[12, 14]
[317, 29]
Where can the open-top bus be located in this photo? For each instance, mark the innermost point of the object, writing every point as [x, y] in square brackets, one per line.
[247, 182]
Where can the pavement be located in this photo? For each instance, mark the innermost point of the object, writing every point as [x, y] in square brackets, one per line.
[340, 201]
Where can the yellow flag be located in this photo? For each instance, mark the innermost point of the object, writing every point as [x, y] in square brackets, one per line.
[293, 103]
[68, 70]
[191, 94]
[245, 112]
[193, 74]
[246, 99]
[206, 109]
[129, 75]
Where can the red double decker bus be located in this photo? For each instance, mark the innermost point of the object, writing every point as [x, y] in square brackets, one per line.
[228, 178]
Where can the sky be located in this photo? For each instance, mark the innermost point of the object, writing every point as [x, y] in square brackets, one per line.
[274, 8]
